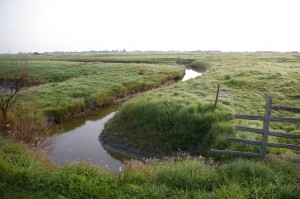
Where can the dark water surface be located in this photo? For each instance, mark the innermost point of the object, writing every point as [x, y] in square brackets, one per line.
[79, 140]
[4, 88]
[79, 137]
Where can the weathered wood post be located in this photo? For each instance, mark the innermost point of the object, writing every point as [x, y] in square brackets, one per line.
[266, 129]
[179, 61]
[217, 96]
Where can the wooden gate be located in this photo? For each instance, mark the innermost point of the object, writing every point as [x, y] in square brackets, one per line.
[265, 132]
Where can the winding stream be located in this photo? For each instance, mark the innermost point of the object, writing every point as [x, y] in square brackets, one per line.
[79, 138]
[190, 74]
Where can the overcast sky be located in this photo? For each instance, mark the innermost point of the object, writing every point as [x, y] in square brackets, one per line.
[82, 25]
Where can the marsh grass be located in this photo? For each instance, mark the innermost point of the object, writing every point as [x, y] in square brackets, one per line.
[24, 175]
[201, 65]
[99, 88]
[246, 79]
[69, 87]
[168, 121]
[178, 116]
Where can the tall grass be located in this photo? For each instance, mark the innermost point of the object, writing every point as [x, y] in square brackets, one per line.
[181, 116]
[164, 116]
[164, 124]
[201, 65]
[24, 175]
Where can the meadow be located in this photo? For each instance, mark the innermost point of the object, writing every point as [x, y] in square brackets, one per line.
[71, 84]
[177, 117]
[29, 174]
[180, 117]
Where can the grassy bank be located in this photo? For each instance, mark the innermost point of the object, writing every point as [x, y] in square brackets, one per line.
[71, 85]
[176, 117]
[181, 116]
[101, 86]
[27, 174]
[146, 58]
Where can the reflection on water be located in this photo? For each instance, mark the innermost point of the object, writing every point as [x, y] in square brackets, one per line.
[190, 74]
[79, 141]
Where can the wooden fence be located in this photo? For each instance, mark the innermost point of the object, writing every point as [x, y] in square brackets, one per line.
[265, 132]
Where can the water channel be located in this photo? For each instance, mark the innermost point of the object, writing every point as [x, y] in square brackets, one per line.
[78, 139]
[4, 88]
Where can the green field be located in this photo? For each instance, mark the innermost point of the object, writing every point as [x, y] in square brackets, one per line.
[26, 174]
[181, 116]
[161, 121]
[70, 83]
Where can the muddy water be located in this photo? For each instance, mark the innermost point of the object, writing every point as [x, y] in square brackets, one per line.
[78, 139]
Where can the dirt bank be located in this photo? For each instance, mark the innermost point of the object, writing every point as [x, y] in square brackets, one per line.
[128, 148]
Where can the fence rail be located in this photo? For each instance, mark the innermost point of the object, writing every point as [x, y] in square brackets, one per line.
[265, 132]
[270, 144]
[262, 118]
[272, 133]
[286, 108]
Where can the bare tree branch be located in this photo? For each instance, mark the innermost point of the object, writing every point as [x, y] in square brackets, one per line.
[12, 86]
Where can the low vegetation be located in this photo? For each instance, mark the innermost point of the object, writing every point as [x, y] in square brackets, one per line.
[201, 65]
[70, 87]
[103, 84]
[180, 117]
[161, 123]
[26, 174]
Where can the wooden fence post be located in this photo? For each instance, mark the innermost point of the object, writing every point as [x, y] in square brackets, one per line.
[217, 96]
[266, 129]
[265, 132]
